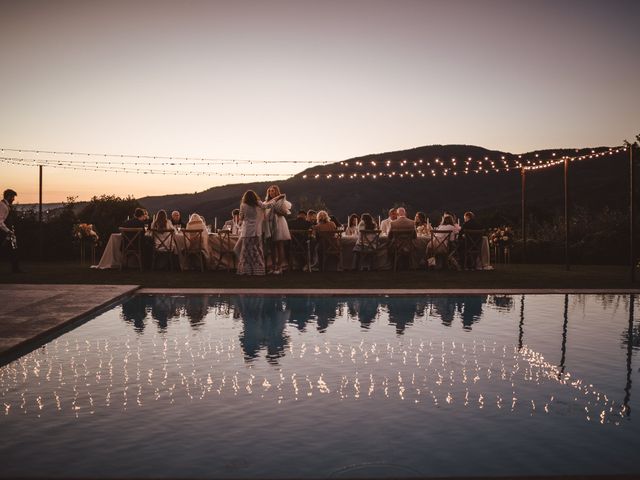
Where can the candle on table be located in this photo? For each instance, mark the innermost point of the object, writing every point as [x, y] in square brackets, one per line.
[215, 224]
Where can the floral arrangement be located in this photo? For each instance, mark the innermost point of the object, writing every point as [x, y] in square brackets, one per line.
[85, 232]
[501, 237]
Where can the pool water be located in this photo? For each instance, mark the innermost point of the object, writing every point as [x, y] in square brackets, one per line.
[329, 386]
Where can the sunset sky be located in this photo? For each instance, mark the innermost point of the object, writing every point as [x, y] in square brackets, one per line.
[305, 80]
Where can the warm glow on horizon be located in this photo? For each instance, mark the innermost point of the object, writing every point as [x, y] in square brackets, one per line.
[305, 81]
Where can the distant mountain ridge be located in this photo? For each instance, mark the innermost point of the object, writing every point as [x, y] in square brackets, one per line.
[593, 181]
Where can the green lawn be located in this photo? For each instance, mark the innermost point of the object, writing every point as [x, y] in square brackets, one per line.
[504, 276]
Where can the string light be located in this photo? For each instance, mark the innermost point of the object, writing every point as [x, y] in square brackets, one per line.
[154, 165]
[122, 169]
[196, 160]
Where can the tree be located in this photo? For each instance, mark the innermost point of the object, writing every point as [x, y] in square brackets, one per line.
[107, 212]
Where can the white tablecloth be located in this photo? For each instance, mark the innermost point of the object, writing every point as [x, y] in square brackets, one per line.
[112, 256]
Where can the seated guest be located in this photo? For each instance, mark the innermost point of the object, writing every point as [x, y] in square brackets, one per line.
[366, 223]
[147, 219]
[138, 220]
[162, 240]
[470, 223]
[423, 228]
[385, 225]
[447, 225]
[196, 222]
[176, 219]
[324, 223]
[454, 220]
[352, 228]
[312, 217]
[300, 222]
[402, 224]
[161, 222]
[444, 230]
[234, 223]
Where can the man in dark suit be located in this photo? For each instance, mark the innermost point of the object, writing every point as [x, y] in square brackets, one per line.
[139, 220]
[311, 217]
[300, 239]
[8, 240]
[300, 222]
[470, 224]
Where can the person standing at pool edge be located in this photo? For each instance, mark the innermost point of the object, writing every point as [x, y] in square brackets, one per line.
[8, 238]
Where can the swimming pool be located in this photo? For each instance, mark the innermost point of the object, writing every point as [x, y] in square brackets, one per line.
[330, 386]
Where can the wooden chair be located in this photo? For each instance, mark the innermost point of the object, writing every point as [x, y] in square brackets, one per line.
[131, 246]
[226, 250]
[401, 246]
[440, 246]
[329, 247]
[300, 248]
[369, 241]
[163, 245]
[193, 246]
[472, 248]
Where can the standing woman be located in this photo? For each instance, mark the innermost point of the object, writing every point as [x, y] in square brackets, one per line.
[276, 228]
[251, 254]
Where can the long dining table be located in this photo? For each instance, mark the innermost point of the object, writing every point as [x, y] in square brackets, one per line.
[384, 261]
[112, 256]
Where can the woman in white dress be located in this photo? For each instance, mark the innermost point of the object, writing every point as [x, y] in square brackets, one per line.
[276, 230]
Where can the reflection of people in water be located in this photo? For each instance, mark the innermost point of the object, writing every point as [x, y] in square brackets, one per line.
[327, 309]
[445, 307]
[300, 310]
[161, 310]
[472, 310]
[401, 312]
[134, 311]
[263, 320]
[196, 308]
[367, 311]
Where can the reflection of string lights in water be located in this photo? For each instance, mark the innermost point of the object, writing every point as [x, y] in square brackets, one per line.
[86, 377]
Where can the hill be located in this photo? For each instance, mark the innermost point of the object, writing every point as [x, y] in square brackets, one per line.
[593, 182]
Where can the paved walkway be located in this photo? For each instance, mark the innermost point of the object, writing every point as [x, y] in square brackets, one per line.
[31, 312]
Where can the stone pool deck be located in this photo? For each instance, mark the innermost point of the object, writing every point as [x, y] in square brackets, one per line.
[29, 313]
